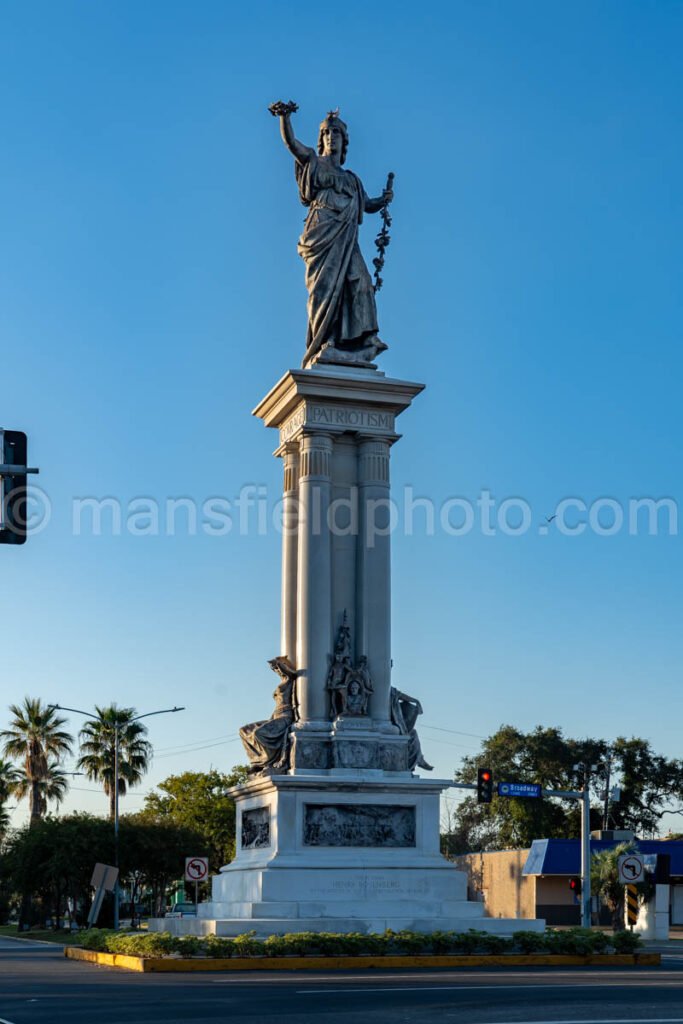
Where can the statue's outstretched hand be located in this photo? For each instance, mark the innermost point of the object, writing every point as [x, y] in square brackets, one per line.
[281, 109]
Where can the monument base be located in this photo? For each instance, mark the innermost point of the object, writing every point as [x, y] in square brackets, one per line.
[339, 851]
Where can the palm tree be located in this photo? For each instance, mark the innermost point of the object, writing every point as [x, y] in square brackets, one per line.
[98, 738]
[9, 776]
[35, 738]
[51, 788]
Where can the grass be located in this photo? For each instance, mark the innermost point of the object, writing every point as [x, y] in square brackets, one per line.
[63, 938]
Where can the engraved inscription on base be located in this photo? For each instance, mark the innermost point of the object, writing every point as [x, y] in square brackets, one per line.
[358, 825]
[256, 828]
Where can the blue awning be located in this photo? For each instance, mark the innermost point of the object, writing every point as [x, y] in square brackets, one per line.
[563, 856]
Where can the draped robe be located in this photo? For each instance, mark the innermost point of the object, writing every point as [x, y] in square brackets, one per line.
[341, 297]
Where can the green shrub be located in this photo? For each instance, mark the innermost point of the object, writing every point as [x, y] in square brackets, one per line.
[191, 945]
[218, 946]
[408, 943]
[529, 942]
[248, 945]
[93, 939]
[626, 942]
[574, 941]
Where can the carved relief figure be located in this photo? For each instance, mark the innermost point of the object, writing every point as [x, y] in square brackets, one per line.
[337, 682]
[267, 742]
[349, 687]
[342, 315]
[404, 713]
[255, 828]
[354, 825]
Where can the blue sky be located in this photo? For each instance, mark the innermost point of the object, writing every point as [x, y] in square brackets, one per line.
[150, 294]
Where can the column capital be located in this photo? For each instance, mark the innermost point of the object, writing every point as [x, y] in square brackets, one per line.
[315, 454]
[311, 436]
[290, 464]
[373, 461]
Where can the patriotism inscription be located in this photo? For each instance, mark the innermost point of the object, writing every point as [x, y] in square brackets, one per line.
[339, 417]
[358, 825]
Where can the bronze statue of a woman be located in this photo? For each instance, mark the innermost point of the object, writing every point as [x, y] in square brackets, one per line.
[342, 314]
[267, 742]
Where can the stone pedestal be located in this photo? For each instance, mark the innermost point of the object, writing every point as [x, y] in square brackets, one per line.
[347, 851]
[335, 833]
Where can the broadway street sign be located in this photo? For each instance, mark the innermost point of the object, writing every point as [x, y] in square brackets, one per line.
[524, 789]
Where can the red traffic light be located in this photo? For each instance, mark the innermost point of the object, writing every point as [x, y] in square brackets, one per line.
[484, 785]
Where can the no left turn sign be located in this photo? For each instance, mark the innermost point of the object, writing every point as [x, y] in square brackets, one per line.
[196, 869]
[631, 869]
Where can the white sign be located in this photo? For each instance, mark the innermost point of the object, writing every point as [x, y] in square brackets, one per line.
[104, 875]
[631, 869]
[196, 869]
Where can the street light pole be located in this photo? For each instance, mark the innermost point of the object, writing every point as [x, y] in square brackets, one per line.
[86, 714]
[116, 825]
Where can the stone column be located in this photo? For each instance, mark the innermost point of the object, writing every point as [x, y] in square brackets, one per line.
[373, 601]
[314, 606]
[290, 518]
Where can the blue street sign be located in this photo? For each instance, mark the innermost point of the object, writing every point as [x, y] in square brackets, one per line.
[524, 789]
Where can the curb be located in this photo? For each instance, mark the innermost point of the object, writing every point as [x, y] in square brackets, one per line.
[147, 965]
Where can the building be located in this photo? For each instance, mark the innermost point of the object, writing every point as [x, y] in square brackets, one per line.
[534, 883]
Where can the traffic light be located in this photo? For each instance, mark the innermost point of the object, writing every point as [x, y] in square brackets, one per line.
[663, 869]
[13, 503]
[484, 785]
[575, 886]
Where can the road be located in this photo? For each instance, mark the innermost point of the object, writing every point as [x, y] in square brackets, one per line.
[39, 986]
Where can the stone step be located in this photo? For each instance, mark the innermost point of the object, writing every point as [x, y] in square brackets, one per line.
[279, 926]
[356, 909]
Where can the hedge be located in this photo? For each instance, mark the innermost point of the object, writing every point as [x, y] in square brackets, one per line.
[574, 941]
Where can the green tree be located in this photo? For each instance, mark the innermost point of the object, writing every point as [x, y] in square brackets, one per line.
[97, 755]
[544, 755]
[650, 785]
[52, 788]
[9, 777]
[605, 882]
[51, 864]
[200, 801]
[152, 855]
[35, 738]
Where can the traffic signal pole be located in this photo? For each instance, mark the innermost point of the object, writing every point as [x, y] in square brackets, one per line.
[585, 855]
[13, 491]
[582, 795]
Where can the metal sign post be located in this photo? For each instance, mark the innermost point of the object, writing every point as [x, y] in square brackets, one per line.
[631, 905]
[196, 870]
[104, 879]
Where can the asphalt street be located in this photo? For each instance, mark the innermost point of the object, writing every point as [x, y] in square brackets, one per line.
[39, 986]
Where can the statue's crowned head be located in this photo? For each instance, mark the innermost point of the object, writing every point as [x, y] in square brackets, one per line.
[333, 120]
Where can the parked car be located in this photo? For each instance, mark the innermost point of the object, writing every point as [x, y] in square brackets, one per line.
[182, 910]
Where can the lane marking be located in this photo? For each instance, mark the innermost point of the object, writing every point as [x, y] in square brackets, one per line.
[3, 1021]
[464, 988]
